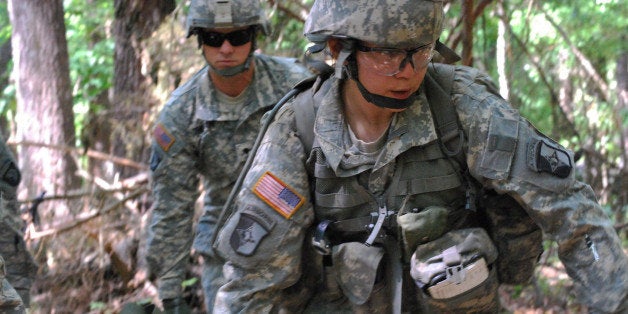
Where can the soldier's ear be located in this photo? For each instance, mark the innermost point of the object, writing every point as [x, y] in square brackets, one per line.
[334, 46]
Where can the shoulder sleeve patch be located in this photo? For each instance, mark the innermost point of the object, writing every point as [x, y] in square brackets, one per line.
[543, 157]
[163, 138]
[248, 234]
[278, 195]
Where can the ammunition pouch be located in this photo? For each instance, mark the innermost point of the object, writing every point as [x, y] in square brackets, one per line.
[353, 269]
[421, 227]
[356, 266]
[454, 273]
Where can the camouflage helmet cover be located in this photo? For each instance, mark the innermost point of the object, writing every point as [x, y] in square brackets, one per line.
[225, 14]
[386, 23]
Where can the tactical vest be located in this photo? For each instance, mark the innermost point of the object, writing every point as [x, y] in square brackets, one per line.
[430, 180]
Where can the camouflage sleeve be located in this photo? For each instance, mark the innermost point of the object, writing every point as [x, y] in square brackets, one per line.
[262, 239]
[506, 153]
[10, 300]
[175, 189]
[10, 178]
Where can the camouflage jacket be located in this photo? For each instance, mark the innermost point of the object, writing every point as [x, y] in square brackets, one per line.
[9, 222]
[263, 241]
[9, 179]
[195, 138]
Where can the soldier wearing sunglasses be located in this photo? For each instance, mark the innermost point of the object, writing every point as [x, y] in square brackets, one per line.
[203, 135]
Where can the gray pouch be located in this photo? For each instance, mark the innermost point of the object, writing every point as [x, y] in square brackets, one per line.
[454, 273]
[356, 268]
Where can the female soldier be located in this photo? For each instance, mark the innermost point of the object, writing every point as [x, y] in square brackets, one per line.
[377, 213]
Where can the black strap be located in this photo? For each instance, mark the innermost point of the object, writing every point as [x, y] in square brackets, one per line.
[438, 86]
[304, 116]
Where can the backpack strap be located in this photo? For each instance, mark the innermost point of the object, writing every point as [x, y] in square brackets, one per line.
[439, 81]
[304, 115]
[304, 112]
[438, 85]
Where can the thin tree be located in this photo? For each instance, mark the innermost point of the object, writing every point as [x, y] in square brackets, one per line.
[44, 101]
[135, 21]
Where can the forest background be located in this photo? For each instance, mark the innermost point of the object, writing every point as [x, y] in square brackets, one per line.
[83, 80]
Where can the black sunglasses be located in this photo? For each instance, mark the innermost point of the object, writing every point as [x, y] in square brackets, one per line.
[235, 38]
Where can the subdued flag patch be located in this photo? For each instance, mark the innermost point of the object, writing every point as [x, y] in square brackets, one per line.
[278, 195]
[163, 137]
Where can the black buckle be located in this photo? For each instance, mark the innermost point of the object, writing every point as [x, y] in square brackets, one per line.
[320, 242]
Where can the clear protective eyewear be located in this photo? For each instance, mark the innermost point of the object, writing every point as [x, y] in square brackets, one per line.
[391, 61]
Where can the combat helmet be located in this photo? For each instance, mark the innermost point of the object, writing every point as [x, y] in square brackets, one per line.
[225, 14]
[385, 23]
[216, 14]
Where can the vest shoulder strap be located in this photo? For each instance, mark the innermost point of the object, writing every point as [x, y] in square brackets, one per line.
[438, 86]
[304, 108]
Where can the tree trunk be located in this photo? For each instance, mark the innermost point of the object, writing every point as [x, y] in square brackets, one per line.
[467, 31]
[44, 100]
[135, 20]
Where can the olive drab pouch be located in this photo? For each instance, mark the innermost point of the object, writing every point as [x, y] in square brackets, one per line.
[519, 240]
[454, 273]
[418, 227]
[356, 266]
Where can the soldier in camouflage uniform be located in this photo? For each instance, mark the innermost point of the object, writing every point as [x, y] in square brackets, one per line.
[20, 268]
[205, 132]
[377, 215]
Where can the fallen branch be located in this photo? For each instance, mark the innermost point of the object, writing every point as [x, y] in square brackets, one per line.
[89, 216]
[90, 153]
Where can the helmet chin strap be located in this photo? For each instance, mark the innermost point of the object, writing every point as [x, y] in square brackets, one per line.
[380, 101]
[234, 70]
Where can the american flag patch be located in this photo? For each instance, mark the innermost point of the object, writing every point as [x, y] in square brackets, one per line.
[278, 195]
[163, 137]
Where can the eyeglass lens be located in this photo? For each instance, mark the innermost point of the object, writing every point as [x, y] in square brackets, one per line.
[388, 61]
[235, 38]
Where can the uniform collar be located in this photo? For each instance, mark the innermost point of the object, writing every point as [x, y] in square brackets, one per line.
[413, 127]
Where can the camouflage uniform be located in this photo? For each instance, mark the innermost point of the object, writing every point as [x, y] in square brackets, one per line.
[20, 266]
[200, 137]
[288, 194]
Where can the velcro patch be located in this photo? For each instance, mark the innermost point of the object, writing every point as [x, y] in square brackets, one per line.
[247, 235]
[545, 158]
[163, 138]
[278, 195]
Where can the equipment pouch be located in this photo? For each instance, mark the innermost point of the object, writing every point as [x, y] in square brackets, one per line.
[356, 267]
[454, 273]
[421, 227]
